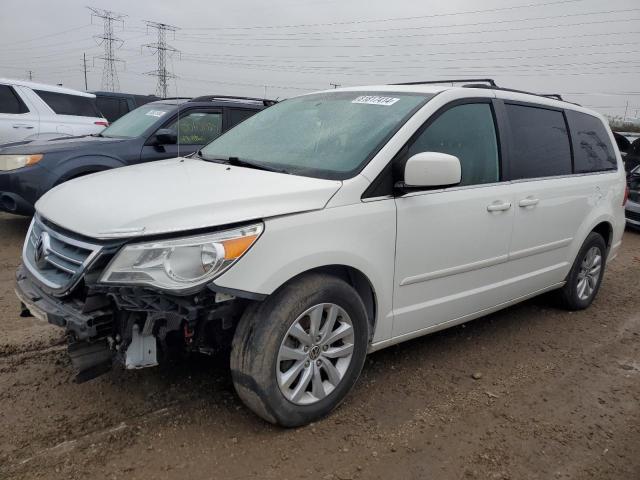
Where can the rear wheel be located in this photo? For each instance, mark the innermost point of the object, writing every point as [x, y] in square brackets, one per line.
[297, 355]
[585, 277]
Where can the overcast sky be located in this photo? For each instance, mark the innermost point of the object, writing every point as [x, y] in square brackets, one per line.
[586, 50]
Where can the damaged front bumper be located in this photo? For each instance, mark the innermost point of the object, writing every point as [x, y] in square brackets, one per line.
[133, 327]
[76, 317]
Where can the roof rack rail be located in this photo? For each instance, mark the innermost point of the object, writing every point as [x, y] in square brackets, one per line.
[555, 96]
[209, 98]
[489, 81]
[174, 98]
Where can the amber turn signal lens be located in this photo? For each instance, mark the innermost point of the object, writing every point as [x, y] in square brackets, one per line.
[33, 159]
[235, 247]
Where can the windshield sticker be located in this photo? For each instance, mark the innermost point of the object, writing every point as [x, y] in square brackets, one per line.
[155, 113]
[375, 100]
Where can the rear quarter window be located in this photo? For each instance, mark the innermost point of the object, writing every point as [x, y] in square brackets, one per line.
[592, 147]
[539, 145]
[65, 104]
[237, 115]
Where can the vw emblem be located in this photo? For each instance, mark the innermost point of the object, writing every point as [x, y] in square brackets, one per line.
[43, 245]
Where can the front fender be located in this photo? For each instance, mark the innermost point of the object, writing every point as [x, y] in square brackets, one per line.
[360, 236]
[82, 165]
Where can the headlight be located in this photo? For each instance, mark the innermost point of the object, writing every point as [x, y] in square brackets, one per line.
[13, 162]
[182, 263]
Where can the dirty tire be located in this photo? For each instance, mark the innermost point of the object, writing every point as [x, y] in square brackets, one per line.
[568, 295]
[257, 340]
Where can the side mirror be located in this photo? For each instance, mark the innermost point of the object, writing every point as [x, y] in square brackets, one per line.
[164, 136]
[432, 169]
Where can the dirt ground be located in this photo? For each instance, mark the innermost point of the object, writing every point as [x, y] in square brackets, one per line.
[558, 397]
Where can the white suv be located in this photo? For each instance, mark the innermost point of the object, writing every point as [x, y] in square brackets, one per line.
[325, 227]
[31, 110]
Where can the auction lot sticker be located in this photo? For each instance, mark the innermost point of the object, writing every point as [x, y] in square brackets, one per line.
[155, 113]
[375, 100]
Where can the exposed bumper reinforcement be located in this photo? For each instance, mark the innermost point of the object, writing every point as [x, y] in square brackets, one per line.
[56, 312]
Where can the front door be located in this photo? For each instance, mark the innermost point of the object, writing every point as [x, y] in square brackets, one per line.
[453, 244]
[194, 129]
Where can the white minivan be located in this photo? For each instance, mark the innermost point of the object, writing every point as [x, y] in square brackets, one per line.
[325, 227]
[30, 110]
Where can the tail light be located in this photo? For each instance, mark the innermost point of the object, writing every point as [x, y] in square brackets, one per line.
[626, 195]
[101, 123]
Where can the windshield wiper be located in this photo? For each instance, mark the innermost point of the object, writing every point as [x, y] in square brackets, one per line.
[239, 162]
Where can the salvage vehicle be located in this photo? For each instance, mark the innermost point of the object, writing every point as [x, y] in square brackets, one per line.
[325, 227]
[30, 110]
[632, 208]
[155, 131]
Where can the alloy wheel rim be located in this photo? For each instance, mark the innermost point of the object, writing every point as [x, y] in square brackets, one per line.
[589, 274]
[315, 354]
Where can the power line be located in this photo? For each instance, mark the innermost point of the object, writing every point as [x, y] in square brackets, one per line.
[410, 63]
[435, 34]
[162, 49]
[393, 19]
[110, 42]
[421, 27]
[47, 36]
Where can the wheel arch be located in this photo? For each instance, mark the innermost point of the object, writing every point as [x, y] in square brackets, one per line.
[605, 229]
[84, 165]
[354, 277]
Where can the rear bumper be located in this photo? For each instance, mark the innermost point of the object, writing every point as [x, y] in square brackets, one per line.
[65, 314]
[632, 213]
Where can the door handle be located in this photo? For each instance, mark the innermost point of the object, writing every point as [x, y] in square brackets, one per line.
[528, 202]
[498, 206]
[23, 125]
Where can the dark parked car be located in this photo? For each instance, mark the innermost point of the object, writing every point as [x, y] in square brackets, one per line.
[114, 105]
[632, 156]
[155, 131]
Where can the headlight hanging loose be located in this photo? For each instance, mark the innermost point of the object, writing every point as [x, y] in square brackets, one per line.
[181, 263]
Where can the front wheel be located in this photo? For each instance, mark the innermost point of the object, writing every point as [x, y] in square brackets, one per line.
[585, 277]
[296, 355]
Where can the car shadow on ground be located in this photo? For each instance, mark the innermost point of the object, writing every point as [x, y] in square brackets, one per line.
[443, 357]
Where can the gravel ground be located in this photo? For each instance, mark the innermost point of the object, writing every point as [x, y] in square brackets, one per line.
[554, 395]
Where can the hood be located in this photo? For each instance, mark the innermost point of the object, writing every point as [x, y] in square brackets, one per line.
[57, 144]
[177, 195]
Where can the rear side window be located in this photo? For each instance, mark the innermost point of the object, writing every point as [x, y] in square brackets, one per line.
[64, 104]
[539, 142]
[112, 108]
[10, 102]
[593, 151]
[468, 132]
[236, 116]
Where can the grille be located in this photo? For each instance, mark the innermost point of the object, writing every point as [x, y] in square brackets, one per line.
[634, 196]
[635, 216]
[56, 260]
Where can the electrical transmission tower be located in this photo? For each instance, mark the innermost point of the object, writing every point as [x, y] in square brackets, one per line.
[110, 42]
[163, 50]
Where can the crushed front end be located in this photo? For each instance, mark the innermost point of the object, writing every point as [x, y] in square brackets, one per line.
[106, 325]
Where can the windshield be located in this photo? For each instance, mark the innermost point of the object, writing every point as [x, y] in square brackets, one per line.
[326, 135]
[134, 123]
